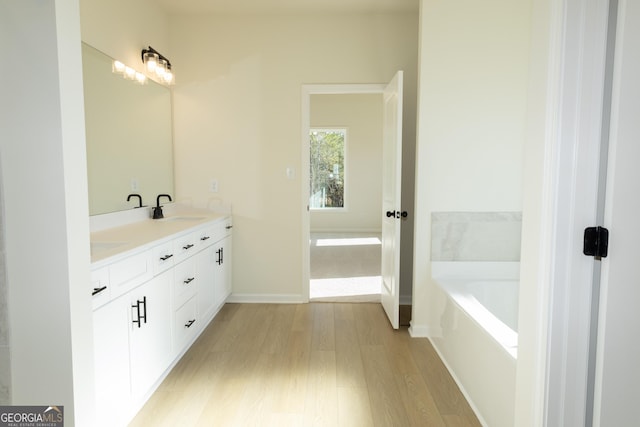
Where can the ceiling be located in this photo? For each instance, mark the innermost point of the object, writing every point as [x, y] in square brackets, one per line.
[286, 6]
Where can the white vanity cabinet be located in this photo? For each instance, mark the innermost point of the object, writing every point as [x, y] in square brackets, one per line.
[132, 346]
[151, 305]
[214, 264]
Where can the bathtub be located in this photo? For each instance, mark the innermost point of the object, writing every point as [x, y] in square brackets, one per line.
[479, 341]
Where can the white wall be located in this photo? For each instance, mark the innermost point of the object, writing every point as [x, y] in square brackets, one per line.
[43, 166]
[121, 29]
[238, 118]
[361, 115]
[471, 123]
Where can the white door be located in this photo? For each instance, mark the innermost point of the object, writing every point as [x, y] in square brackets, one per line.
[391, 186]
[617, 388]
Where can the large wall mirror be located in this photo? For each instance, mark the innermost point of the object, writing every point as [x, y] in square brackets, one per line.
[129, 136]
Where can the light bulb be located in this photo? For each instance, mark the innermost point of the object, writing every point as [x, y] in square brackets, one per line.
[168, 77]
[150, 61]
[161, 68]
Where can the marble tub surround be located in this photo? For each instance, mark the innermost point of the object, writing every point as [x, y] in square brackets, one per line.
[125, 234]
[475, 236]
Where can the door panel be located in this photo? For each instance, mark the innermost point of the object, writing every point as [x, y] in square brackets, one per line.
[391, 193]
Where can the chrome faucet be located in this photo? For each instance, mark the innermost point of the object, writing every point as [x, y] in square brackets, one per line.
[157, 211]
[139, 199]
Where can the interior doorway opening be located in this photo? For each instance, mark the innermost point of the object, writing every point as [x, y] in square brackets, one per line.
[345, 152]
[333, 234]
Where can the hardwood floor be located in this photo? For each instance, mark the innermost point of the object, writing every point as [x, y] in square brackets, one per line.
[317, 364]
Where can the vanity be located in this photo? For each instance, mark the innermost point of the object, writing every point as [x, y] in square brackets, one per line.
[156, 285]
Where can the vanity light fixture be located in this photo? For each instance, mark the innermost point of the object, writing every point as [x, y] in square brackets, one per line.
[157, 64]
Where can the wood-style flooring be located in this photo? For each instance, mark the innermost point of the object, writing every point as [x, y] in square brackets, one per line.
[317, 364]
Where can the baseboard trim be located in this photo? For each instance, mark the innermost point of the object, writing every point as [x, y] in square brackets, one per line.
[266, 298]
[424, 331]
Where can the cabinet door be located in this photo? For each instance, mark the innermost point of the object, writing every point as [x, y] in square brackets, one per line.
[111, 359]
[222, 278]
[226, 274]
[185, 324]
[206, 267]
[150, 332]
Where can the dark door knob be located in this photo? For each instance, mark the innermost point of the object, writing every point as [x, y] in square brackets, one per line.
[391, 214]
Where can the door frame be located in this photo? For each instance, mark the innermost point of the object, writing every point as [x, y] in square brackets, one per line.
[307, 91]
[560, 199]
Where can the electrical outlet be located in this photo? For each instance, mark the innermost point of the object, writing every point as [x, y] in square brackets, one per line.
[133, 184]
[213, 185]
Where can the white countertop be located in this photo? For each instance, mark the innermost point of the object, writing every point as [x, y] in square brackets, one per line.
[119, 240]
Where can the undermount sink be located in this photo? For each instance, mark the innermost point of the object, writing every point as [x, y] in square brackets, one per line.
[183, 218]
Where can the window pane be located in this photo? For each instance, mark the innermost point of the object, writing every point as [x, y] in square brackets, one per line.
[327, 168]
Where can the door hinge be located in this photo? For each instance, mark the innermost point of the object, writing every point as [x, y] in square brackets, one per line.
[596, 242]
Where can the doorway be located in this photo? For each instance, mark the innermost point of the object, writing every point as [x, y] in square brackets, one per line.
[329, 225]
[390, 186]
[345, 146]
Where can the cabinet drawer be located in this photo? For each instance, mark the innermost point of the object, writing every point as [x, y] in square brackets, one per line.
[206, 236]
[215, 233]
[227, 227]
[163, 257]
[185, 324]
[128, 273]
[100, 288]
[185, 246]
[185, 281]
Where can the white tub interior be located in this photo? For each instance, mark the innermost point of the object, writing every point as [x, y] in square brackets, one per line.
[488, 293]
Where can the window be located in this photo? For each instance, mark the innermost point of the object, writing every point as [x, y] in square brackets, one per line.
[327, 147]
